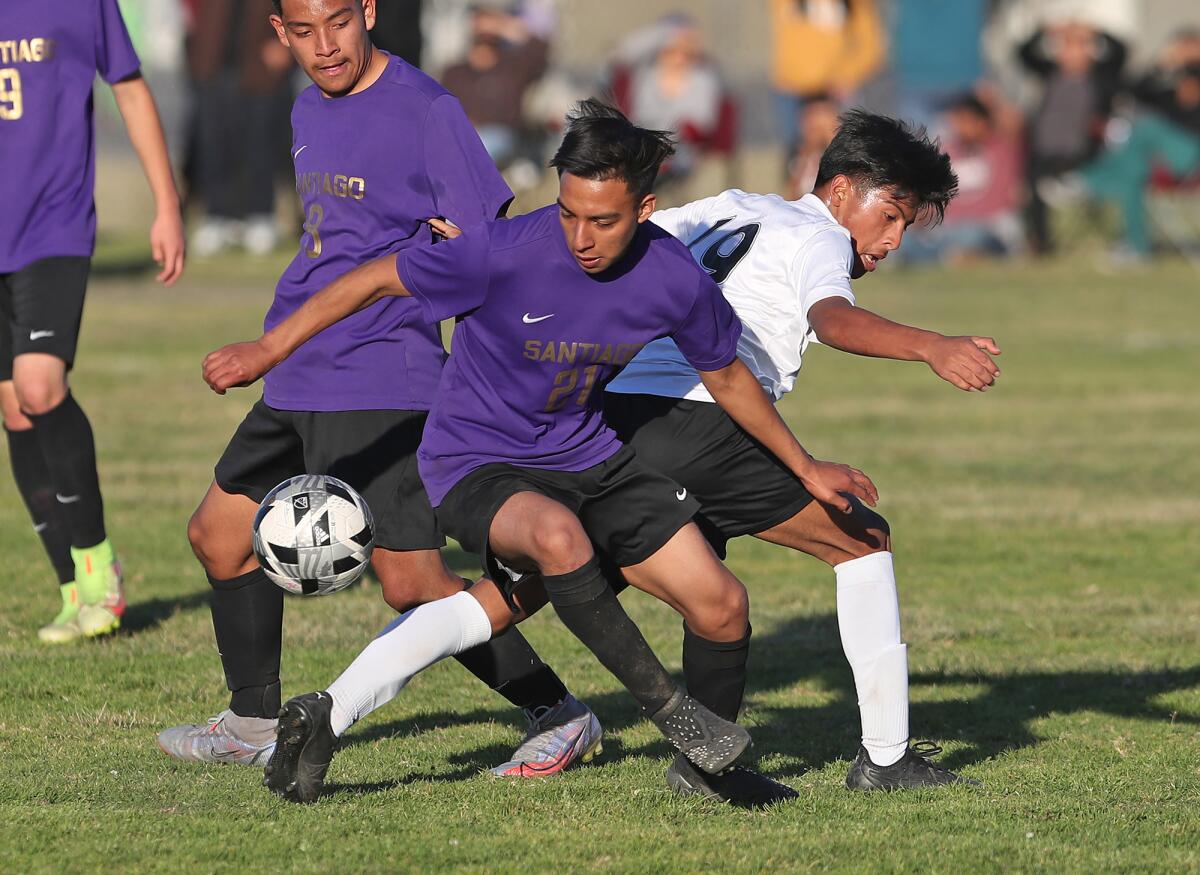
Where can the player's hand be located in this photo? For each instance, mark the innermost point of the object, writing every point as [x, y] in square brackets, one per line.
[167, 245]
[965, 362]
[445, 229]
[238, 364]
[831, 482]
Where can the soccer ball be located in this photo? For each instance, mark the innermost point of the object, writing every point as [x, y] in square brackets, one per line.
[313, 535]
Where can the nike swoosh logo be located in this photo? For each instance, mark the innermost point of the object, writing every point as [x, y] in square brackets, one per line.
[35, 335]
[66, 499]
[681, 494]
[298, 151]
[40, 527]
[530, 320]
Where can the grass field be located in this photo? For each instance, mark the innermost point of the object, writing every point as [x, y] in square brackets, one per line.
[1047, 540]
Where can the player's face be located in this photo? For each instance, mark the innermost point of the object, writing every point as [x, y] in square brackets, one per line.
[876, 219]
[328, 38]
[599, 219]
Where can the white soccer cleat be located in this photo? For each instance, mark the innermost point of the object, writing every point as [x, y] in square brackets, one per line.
[557, 737]
[213, 742]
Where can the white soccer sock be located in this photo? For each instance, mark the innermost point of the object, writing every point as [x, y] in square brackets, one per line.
[412, 642]
[868, 610]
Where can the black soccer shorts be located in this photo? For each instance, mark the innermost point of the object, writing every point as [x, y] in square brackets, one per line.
[628, 510]
[375, 451]
[42, 305]
[742, 488]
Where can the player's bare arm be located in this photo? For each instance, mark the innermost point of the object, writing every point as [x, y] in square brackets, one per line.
[963, 361]
[136, 104]
[739, 393]
[240, 364]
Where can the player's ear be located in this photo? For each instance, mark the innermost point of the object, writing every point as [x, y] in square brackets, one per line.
[646, 207]
[839, 189]
[277, 23]
[368, 7]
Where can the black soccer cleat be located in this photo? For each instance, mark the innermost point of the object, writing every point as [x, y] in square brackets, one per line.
[709, 741]
[738, 786]
[910, 772]
[304, 747]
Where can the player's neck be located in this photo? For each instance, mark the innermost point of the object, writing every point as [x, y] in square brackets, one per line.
[375, 67]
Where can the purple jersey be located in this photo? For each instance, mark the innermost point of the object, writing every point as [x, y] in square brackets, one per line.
[370, 169]
[50, 54]
[541, 338]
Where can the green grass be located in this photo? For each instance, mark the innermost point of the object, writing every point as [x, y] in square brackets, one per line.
[1047, 537]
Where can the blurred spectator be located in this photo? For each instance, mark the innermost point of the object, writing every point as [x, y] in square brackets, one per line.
[240, 74]
[504, 58]
[1165, 139]
[398, 29]
[817, 127]
[821, 47]
[936, 54]
[662, 79]
[983, 142]
[1080, 70]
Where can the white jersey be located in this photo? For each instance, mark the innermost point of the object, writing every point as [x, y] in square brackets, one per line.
[773, 259]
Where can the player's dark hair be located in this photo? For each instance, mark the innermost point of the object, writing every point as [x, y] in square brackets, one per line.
[880, 152]
[601, 144]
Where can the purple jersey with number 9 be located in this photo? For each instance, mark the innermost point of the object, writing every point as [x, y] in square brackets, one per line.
[50, 54]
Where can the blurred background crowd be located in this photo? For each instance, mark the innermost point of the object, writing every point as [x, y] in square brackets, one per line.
[1067, 120]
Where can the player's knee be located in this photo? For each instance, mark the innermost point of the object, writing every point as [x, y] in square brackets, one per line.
[723, 618]
[38, 397]
[873, 535]
[560, 544]
[404, 591]
[217, 558]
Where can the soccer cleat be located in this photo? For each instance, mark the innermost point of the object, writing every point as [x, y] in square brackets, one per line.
[101, 590]
[213, 742]
[557, 737]
[738, 786]
[65, 626]
[304, 748]
[911, 771]
[709, 741]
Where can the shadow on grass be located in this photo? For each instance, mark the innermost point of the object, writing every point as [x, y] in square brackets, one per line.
[143, 616]
[997, 715]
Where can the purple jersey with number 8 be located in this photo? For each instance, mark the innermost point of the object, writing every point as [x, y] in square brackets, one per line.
[371, 168]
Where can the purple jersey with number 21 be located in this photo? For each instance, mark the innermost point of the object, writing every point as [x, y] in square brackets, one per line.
[371, 168]
[540, 338]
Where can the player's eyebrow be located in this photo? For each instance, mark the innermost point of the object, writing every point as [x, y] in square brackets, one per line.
[336, 14]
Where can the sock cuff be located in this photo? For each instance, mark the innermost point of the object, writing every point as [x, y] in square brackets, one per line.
[475, 625]
[577, 587]
[690, 638]
[67, 407]
[865, 568]
[254, 575]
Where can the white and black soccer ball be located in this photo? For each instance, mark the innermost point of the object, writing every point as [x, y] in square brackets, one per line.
[313, 535]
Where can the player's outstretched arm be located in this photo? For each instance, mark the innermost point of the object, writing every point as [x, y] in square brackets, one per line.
[136, 104]
[739, 393]
[964, 361]
[240, 364]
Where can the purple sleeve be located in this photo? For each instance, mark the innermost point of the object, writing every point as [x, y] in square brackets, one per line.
[115, 57]
[467, 187]
[450, 278]
[708, 335]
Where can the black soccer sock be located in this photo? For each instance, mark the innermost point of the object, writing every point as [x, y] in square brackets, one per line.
[247, 614]
[65, 436]
[32, 477]
[509, 665]
[589, 608]
[715, 672]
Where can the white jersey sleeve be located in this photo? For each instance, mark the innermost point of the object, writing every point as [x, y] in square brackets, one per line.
[773, 259]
